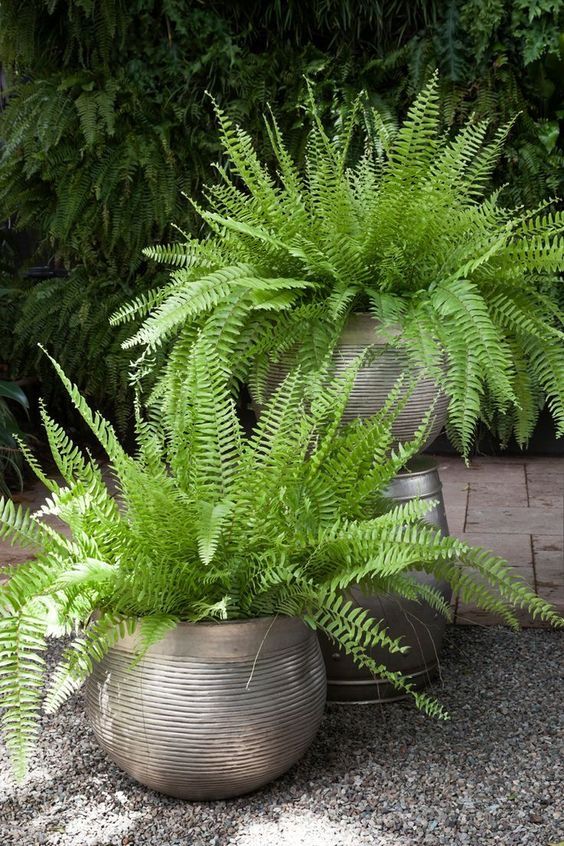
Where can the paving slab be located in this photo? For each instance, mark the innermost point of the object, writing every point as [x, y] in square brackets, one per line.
[510, 519]
[545, 494]
[549, 568]
[455, 494]
[453, 468]
[548, 549]
[516, 548]
[545, 481]
[456, 517]
[542, 463]
[486, 492]
[469, 615]
[514, 507]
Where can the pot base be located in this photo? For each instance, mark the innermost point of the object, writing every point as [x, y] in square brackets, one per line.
[374, 691]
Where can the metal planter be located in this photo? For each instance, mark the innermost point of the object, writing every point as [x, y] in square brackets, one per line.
[375, 381]
[420, 627]
[420, 478]
[213, 710]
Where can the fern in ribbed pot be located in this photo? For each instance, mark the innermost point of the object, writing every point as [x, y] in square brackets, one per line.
[395, 222]
[207, 525]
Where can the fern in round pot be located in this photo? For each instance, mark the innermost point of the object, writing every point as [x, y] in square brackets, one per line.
[396, 225]
[195, 591]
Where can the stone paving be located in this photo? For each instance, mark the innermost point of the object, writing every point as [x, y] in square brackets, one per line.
[513, 506]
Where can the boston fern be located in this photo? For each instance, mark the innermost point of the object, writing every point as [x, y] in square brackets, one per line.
[395, 222]
[210, 525]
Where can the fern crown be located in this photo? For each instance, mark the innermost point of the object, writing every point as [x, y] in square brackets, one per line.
[394, 221]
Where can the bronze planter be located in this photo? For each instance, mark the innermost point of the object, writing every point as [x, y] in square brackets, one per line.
[420, 627]
[213, 710]
[375, 381]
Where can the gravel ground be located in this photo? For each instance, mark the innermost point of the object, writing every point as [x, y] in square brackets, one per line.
[380, 776]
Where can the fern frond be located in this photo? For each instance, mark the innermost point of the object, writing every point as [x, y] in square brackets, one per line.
[100, 427]
[18, 526]
[22, 640]
[78, 659]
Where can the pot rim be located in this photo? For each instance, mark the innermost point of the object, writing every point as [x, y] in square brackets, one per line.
[361, 328]
[226, 640]
[215, 623]
[419, 465]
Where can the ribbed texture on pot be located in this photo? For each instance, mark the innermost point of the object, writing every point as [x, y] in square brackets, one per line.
[375, 381]
[201, 716]
[420, 626]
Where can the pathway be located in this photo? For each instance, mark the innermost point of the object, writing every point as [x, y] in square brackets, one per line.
[513, 506]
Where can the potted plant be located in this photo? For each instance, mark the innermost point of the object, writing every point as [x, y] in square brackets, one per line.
[196, 592]
[384, 238]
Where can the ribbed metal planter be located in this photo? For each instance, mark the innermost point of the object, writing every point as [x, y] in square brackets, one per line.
[213, 710]
[375, 381]
[420, 627]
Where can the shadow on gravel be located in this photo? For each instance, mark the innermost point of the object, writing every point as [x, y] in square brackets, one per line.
[378, 775]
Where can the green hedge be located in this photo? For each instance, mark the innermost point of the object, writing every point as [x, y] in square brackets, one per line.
[108, 122]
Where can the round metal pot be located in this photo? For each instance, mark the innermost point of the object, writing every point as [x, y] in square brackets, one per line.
[420, 627]
[213, 710]
[375, 381]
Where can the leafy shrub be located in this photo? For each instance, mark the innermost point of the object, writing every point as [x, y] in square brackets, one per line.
[405, 231]
[210, 525]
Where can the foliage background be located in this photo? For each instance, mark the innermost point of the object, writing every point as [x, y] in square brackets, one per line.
[108, 122]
